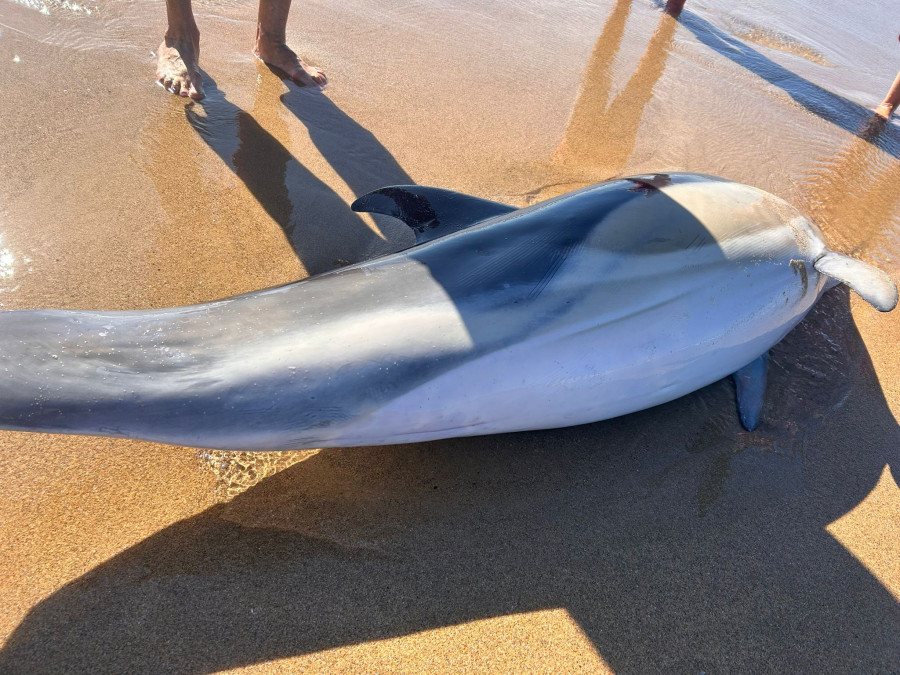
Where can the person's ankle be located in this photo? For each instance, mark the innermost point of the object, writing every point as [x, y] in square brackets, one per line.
[185, 31]
[885, 109]
[273, 39]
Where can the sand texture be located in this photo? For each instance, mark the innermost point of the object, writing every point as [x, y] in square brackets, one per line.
[669, 540]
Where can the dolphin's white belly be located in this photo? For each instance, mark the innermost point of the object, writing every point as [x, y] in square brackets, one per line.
[592, 305]
[644, 337]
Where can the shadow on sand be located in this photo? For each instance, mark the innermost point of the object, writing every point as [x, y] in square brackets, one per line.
[674, 539]
[319, 224]
[831, 107]
[677, 541]
[602, 130]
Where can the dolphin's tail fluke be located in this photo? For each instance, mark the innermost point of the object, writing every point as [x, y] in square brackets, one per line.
[869, 282]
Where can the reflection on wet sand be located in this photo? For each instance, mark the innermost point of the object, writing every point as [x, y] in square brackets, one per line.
[840, 111]
[209, 225]
[674, 540]
[677, 542]
[7, 266]
[601, 134]
[323, 232]
[854, 195]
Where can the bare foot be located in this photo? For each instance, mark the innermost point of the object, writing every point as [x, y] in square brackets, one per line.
[885, 110]
[278, 55]
[177, 69]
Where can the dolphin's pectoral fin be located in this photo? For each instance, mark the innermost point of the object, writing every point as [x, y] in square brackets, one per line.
[751, 390]
[869, 282]
[431, 212]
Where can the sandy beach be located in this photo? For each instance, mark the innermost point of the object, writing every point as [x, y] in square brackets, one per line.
[669, 540]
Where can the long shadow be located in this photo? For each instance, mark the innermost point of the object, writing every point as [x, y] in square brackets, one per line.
[854, 194]
[319, 224]
[831, 107]
[353, 151]
[675, 540]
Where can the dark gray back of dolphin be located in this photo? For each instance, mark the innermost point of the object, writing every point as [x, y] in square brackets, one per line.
[292, 366]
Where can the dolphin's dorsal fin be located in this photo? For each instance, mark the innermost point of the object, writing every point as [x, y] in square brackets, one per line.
[869, 282]
[431, 212]
[750, 382]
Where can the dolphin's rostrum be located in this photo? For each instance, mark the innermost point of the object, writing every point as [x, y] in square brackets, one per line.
[595, 304]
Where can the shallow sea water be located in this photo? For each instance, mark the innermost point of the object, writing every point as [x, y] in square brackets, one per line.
[669, 539]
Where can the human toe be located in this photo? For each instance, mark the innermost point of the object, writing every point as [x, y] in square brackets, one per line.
[196, 91]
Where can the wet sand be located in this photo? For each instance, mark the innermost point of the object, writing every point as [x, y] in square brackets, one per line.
[667, 540]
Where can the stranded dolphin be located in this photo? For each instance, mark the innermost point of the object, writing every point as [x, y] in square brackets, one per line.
[598, 303]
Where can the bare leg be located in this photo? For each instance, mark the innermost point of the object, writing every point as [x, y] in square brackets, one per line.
[179, 54]
[270, 45]
[891, 101]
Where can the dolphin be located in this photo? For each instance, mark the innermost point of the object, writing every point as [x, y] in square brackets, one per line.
[600, 302]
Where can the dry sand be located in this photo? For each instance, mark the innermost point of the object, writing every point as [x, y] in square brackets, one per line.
[668, 540]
